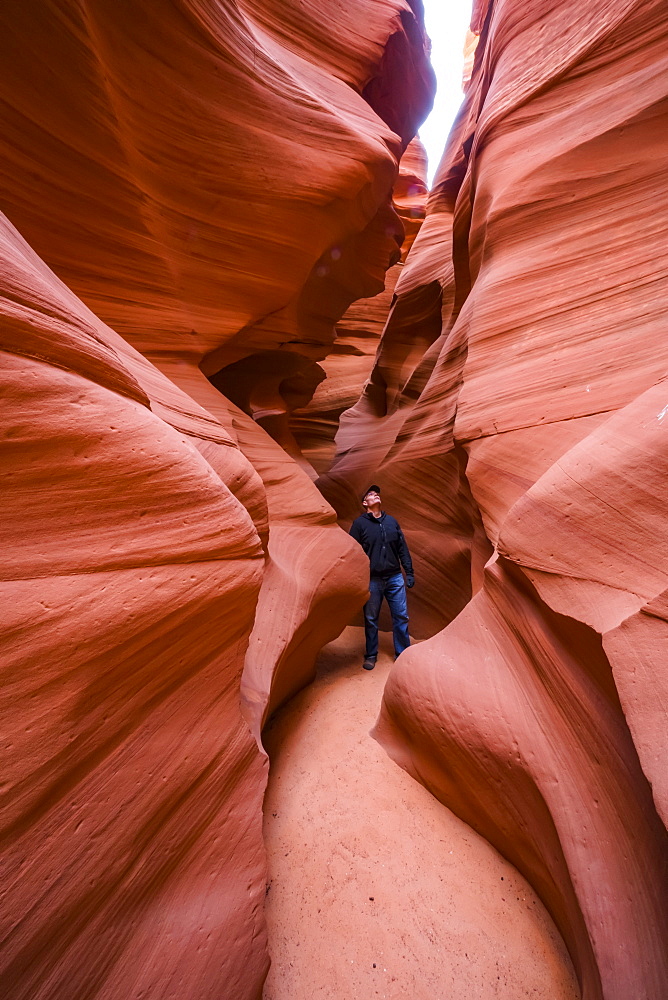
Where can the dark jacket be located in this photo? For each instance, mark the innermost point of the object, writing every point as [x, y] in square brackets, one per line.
[383, 541]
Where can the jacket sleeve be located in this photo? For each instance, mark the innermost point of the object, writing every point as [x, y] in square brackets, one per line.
[404, 554]
[356, 532]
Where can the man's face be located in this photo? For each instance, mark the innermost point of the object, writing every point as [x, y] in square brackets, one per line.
[371, 500]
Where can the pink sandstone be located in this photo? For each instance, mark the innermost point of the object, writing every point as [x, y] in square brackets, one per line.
[195, 193]
[186, 170]
[521, 447]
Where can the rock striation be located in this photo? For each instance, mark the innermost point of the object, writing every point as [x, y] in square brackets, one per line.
[194, 195]
[132, 565]
[186, 186]
[348, 365]
[523, 448]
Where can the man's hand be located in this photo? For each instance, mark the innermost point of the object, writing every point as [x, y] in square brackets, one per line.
[410, 580]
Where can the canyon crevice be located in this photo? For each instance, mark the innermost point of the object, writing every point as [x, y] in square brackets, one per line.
[227, 304]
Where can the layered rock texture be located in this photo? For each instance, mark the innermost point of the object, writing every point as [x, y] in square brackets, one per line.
[351, 358]
[522, 444]
[187, 186]
[194, 193]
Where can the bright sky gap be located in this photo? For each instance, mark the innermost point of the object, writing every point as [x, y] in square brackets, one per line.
[447, 22]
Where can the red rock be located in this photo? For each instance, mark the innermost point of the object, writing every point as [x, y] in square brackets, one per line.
[358, 332]
[408, 898]
[606, 561]
[130, 577]
[526, 427]
[213, 182]
[190, 222]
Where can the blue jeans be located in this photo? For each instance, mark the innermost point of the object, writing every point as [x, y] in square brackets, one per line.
[393, 589]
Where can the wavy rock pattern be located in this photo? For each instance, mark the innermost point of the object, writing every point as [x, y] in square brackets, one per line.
[411, 902]
[213, 181]
[190, 198]
[130, 579]
[358, 332]
[523, 450]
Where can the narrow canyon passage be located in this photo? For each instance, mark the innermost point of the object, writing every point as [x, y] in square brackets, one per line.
[376, 889]
[232, 297]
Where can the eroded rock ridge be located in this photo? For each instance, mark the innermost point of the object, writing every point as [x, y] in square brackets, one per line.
[185, 185]
[516, 419]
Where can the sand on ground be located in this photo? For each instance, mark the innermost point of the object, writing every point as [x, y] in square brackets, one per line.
[376, 889]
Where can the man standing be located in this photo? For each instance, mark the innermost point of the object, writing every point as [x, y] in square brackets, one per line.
[382, 539]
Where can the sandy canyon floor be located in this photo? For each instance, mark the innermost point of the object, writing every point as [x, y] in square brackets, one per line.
[376, 889]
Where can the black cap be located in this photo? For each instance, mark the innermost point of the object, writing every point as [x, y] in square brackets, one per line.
[372, 489]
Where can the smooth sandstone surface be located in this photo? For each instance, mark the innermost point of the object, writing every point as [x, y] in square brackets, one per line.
[130, 577]
[523, 450]
[375, 889]
[194, 184]
[211, 232]
[198, 162]
[358, 332]
[195, 193]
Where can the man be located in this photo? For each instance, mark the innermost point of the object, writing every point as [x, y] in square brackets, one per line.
[381, 538]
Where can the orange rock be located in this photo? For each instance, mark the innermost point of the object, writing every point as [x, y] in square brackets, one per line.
[521, 427]
[358, 332]
[213, 181]
[215, 177]
[409, 899]
[131, 572]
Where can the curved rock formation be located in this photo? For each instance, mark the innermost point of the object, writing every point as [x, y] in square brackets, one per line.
[358, 332]
[213, 181]
[208, 231]
[213, 184]
[131, 571]
[408, 899]
[223, 179]
[523, 452]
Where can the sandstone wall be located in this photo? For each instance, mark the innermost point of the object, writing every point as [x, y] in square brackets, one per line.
[523, 449]
[194, 183]
[351, 359]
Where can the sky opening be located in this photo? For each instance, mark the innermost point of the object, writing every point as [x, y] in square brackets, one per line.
[447, 22]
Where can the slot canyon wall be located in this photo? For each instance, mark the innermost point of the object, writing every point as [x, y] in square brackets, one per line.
[189, 189]
[194, 193]
[352, 355]
[516, 420]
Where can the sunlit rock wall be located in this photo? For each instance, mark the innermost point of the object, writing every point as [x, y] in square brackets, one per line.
[180, 175]
[524, 450]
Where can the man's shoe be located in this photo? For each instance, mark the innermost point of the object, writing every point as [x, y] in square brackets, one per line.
[369, 662]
